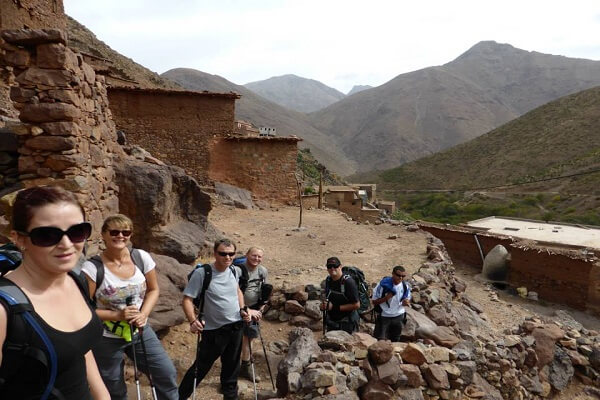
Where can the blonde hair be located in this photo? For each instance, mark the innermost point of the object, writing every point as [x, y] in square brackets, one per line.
[119, 221]
[254, 248]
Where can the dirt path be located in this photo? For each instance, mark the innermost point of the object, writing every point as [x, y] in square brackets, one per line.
[299, 256]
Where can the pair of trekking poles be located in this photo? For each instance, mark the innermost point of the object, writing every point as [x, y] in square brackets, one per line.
[129, 301]
[251, 362]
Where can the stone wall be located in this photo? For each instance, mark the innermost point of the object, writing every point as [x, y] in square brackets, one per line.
[33, 14]
[264, 166]
[65, 136]
[177, 127]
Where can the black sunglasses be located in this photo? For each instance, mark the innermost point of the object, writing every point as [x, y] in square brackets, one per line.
[226, 253]
[124, 232]
[46, 236]
[400, 276]
[330, 266]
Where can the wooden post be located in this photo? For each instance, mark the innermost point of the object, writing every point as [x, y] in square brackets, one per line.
[299, 185]
[320, 188]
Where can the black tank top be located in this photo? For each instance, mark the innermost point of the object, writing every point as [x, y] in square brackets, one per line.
[71, 347]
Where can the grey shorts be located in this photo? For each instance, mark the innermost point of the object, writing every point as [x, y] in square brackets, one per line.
[251, 330]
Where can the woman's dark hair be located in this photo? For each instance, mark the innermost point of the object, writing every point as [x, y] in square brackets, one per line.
[28, 200]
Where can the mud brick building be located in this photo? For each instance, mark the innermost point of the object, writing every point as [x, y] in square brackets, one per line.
[195, 131]
[558, 272]
[178, 127]
[263, 165]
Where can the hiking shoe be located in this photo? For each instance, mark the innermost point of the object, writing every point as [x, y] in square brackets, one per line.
[246, 372]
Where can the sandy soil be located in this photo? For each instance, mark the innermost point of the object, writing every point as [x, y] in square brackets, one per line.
[299, 256]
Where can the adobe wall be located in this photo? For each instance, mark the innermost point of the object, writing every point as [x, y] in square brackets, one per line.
[176, 127]
[65, 136]
[264, 166]
[310, 200]
[563, 276]
[556, 277]
[461, 244]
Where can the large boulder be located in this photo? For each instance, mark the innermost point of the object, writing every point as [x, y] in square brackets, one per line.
[233, 195]
[495, 264]
[168, 208]
[172, 278]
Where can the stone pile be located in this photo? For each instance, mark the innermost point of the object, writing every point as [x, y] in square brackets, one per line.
[65, 135]
[297, 304]
[449, 350]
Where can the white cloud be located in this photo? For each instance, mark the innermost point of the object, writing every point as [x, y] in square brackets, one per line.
[340, 43]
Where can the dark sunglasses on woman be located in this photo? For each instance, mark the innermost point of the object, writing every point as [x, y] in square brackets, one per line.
[46, 236]
[115, 232]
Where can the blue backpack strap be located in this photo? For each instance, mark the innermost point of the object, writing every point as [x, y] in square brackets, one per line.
[18, 303]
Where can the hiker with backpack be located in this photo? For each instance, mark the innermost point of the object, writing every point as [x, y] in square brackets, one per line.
[214, 289]
[124, 285]
[255, 298]
[341, 303]
[390, 297]
[47, 324]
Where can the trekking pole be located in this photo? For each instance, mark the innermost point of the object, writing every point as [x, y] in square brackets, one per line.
[128, 302]
[196, 361]
[325, 315]
[252, 366]
[266, 357]
[152, 387]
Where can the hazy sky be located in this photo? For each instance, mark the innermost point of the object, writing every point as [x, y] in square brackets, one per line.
[341, 43]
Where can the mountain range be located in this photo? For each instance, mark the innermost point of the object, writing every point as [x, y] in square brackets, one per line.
[557, 139]
[413, 115]
[432, 109]
[296, 93]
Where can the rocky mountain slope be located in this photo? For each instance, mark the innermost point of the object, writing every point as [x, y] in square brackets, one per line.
[261, 112]
[84, 40]
[559, 138]
[429, 110]
[296, 93]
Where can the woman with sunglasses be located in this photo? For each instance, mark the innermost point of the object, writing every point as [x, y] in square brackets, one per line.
[125, 297]
[48, 227]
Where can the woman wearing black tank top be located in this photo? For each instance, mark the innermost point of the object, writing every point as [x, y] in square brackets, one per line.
[48, 226]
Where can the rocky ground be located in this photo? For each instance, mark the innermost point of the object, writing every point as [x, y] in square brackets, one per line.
[297, 256]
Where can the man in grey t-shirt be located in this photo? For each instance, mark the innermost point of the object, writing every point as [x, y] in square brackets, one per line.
[257, 277]
[220, 325]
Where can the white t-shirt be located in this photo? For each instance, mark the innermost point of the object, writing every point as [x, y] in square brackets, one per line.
[113, 291]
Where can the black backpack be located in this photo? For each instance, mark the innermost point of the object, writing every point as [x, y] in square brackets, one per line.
[361, 284]
[10, 258]
[136, 257]
[21, 327]
[199, 300]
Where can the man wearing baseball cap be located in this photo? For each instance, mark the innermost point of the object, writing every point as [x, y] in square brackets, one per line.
[341, 299]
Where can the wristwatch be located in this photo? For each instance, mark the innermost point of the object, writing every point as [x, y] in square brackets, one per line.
[244, 309]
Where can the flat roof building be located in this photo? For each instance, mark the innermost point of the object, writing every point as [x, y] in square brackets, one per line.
[549, 232]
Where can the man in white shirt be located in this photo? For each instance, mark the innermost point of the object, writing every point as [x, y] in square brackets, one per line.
[391, 294]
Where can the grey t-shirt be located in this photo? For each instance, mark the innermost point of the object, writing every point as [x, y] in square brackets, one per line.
[221, 304]
[255, 280]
